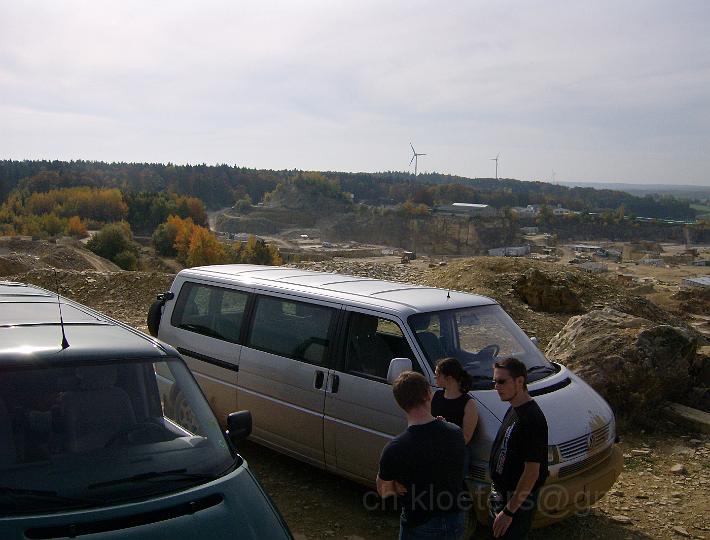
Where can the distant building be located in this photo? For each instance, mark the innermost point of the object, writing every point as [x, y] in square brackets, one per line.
[529, 230]
[559, 211]
[701, 262]
[696, 282]
[593, 267]
[584, 248]
[511, 251]
[468, 209]
[647, 261]
[626, 279]
[529, 211]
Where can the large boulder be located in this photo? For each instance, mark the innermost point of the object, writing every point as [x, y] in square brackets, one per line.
[544, 292]
[634, 363]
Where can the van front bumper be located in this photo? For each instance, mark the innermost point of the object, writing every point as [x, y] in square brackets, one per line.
[563, 498]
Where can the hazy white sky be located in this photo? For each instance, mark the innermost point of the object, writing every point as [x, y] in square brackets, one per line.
[598, 91]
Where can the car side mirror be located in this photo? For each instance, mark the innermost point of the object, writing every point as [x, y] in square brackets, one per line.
[398, 366]
[238, 426]
[534, 341]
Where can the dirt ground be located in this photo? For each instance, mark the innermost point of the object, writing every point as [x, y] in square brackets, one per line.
[648, 501]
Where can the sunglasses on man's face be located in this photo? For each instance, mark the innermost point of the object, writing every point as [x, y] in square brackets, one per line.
[501, 382]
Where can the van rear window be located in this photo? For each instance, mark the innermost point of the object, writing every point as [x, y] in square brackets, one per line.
[211, 311]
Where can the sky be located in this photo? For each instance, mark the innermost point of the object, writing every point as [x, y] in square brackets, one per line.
[602, 91]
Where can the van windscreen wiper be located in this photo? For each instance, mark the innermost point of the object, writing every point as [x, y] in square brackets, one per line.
[170, 476]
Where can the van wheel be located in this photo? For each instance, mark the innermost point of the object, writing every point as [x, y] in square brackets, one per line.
[155, 312]
[183, 414]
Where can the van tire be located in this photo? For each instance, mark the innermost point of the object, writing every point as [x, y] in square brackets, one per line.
[155, 312]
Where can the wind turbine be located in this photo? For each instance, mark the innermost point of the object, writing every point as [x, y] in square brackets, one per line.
[414, 159]
[496, 160]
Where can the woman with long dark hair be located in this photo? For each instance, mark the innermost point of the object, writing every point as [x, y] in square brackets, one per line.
[452, 402]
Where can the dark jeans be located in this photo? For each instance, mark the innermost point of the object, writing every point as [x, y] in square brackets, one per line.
[523, 518]
[449, 526]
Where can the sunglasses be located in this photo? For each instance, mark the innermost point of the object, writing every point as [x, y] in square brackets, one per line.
[501, 382]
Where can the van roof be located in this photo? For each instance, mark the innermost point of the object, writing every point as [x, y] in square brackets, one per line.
[402, 298]
[30, 330]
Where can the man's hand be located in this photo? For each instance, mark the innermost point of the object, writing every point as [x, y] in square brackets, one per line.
[501, 524]
[389, 488]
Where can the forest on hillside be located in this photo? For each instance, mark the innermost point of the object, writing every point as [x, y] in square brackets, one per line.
[223, 185]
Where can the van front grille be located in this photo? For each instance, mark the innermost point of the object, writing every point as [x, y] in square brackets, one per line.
[585, 463]
[584, 444]
[479, 472]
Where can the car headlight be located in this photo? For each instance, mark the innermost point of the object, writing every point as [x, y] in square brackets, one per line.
[553, 455]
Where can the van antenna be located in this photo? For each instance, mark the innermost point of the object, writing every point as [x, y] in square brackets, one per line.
[65, 343]
[448, 294]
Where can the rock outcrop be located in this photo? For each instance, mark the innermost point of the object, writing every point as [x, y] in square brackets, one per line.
[634, 363]
[544, 292]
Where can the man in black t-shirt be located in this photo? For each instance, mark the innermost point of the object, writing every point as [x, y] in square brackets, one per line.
[519, 456]
[424, 466]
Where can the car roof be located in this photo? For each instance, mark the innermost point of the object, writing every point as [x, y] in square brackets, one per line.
[401, 298]
[31, 330]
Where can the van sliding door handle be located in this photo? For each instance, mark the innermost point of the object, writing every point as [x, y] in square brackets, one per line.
[318, 380]
[335, 384]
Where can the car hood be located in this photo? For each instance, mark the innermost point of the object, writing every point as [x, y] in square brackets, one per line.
[571, 407]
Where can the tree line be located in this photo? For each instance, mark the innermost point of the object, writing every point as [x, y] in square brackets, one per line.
[223, 185]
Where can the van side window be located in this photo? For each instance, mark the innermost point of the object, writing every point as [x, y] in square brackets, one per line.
[211, 311]
[296, 330]
[372, 343]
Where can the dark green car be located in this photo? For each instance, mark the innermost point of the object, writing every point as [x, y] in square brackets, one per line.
[89, 446]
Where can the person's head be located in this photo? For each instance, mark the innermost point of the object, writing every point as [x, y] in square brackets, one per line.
[411, 390]
[450, 369]
[510, 377]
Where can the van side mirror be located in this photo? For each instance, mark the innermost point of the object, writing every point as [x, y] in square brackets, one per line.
[534, 341]
[397, 366]
[238, 426]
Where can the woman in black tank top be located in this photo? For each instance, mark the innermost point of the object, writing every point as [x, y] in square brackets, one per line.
[452, 402]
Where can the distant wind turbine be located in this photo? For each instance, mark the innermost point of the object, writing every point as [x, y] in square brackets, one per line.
[496, 160]
[553, 175]
[414, 158]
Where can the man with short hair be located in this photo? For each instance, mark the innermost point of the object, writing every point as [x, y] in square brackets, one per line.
[519, 456]
[424, 467]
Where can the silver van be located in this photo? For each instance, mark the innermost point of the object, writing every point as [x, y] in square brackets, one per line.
[312, 356]
[89, 447]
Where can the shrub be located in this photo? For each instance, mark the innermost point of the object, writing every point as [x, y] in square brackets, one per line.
[111, 240]
[126, 260]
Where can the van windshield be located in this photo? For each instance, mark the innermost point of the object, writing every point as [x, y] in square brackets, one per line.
[93, 434]
[477, 337]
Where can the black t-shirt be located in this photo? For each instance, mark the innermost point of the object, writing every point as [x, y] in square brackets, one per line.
[451, 409]
[522, 437]
[428, 460]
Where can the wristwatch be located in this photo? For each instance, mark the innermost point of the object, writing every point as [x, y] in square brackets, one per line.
[507, 512]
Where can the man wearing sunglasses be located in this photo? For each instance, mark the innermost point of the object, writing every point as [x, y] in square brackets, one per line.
[519, 456]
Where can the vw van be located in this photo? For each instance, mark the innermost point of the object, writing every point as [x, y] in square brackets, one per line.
[312, 355]
[88, 447]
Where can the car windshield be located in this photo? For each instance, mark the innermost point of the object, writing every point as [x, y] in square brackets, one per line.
[477, 337]
[90, 434]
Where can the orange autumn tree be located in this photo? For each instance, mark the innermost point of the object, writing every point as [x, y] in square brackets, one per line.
[76, 227]
[205, 248]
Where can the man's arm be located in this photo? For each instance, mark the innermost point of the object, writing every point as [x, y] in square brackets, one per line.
[522, 490]
[525, 485]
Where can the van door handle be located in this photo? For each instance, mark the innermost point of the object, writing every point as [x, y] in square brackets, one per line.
[335, 384]
[318, 380]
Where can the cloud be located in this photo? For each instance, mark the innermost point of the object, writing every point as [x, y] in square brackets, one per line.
[346, 85]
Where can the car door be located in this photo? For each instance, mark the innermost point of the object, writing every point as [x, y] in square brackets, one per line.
[283, 371]
[205, 327]
[361, 414]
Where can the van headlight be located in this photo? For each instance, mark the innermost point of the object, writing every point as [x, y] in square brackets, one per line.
[553, 455]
